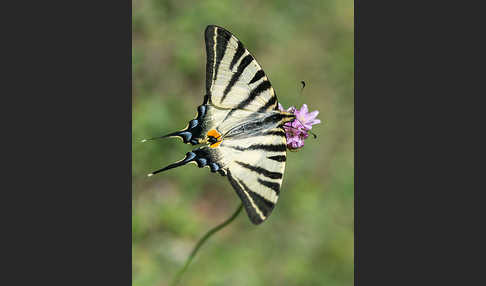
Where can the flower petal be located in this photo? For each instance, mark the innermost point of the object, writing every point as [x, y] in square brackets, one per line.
[296, 131]
[304, 109]
[312, 115]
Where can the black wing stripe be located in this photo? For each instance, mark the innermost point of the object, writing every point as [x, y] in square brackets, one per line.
[265, 206]
[261, 171]
[240, 50]
[264, 147]
[223, 38]
[262, 204]
[278, 158]
[264, 85]
[269, 103]
[209, 34]
[271, 185]
[275, 148]
[229, 113]
[255, 218]
[275, 132]
[236, 76]
[259, 74]
[279, 118]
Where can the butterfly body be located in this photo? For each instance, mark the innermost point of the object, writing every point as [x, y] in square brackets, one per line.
[239, 125]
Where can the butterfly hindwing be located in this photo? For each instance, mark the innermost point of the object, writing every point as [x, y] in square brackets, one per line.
[256, 171]
[254, 166]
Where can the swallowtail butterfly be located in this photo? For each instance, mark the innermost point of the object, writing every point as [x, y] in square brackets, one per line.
[239, 125]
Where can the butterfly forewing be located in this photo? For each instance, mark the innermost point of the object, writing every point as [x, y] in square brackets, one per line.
[234, 79]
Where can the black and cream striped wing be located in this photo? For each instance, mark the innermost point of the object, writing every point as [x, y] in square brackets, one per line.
[255, 167]
[234, 79]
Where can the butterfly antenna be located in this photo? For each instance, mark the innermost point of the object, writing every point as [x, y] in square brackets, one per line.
[189, 157]
[149, 139]
[313, 134]
[303, 85]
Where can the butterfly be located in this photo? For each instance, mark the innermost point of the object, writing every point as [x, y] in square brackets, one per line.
[239, 125]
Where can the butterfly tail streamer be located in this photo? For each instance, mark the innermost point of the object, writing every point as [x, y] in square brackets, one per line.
[184, 135]
[190, 156]
[201, 157]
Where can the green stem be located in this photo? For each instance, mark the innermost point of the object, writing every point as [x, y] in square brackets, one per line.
[201, 242]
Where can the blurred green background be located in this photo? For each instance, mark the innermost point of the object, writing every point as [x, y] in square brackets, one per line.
[309, 238]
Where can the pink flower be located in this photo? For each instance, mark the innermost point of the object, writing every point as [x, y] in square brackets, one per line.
[297, 130]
